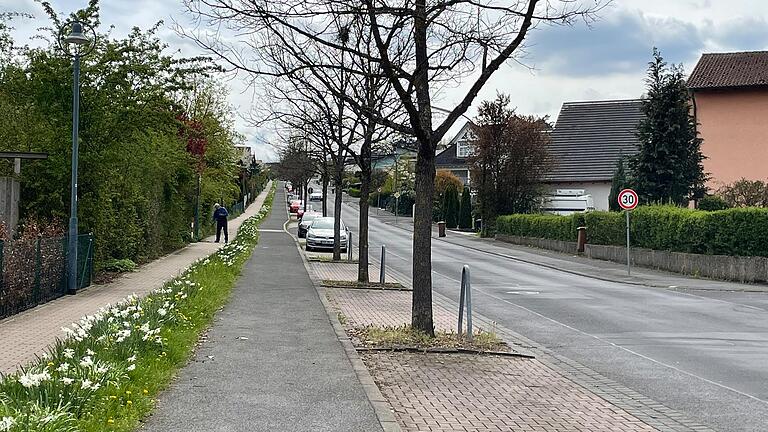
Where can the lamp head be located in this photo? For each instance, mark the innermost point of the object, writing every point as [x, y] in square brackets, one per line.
[76, 35]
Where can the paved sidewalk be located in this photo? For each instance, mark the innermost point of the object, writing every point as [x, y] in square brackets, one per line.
[27, 334]
[465, 392]
[272, 361]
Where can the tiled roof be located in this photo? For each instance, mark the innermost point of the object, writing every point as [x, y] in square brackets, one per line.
[723, 70]
[590, 137]
[447, 158]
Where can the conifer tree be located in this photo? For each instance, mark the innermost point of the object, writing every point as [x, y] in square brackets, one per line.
[465, 210]
[668, 167]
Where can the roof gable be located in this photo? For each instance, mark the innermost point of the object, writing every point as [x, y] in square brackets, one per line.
[730, 70]
[590, 137]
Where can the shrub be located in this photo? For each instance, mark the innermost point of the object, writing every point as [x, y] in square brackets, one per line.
[451, 207]
[465, 210]
[713, 203]
[119, 266]
[738, 231]
[354, 192]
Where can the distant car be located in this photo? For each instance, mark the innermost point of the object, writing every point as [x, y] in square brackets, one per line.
[320, 234]
[316, 196]
[290, 197]
[300, 211]
[295, 206]
[306, 221]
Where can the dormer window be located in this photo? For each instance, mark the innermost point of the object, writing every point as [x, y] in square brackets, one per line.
[464, 144]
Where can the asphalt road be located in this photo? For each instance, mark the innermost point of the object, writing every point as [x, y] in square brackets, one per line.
[703, 355]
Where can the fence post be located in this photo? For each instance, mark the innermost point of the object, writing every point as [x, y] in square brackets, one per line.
[349, 245]
[2, 277]
[383, 267]
[38, 260]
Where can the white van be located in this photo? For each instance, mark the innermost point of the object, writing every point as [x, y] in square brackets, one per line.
[569, 201]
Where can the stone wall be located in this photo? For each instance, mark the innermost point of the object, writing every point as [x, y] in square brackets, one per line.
[556, 245]
[731, 268]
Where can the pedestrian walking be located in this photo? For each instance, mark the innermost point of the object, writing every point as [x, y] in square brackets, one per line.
[220, 215]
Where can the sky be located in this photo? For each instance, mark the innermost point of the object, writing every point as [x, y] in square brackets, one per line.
[606, 60]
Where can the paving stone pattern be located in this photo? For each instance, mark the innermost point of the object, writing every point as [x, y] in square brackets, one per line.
[27, 334]
[345, 272]
[464, 392]
[385, 308]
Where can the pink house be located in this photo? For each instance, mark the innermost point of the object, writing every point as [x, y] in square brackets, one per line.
[730, 97]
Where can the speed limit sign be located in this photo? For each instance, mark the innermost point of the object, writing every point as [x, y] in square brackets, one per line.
[628, 199]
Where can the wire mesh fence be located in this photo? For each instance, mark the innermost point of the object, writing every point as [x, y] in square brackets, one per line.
[34, 271]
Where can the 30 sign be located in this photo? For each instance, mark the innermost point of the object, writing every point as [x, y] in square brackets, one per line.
[628, 199]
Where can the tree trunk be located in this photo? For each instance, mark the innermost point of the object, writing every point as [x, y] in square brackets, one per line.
[362, 237]
[337, 217]
[421, 308]
[422, 243]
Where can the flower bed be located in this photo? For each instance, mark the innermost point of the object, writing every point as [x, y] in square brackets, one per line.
[105, 374]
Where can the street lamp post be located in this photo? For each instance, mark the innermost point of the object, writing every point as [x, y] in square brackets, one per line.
[75, 44]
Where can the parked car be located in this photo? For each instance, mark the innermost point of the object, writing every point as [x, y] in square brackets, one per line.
[290, 197]
[316, 196]
[295, 206]
[320, 234]
[300, 211]
[306, 221]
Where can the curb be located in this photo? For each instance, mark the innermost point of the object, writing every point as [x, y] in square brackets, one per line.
[378, 402]
[578, 273]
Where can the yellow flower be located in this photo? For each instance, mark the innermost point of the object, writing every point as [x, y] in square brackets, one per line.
[50, 364]
[146, 391]
[113, 397]
[110, 421]
[129, 402]
[128, 392]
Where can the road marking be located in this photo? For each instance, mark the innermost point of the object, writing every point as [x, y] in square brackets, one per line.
[524, 292]
[272, 231]
[684, 372]
[675, 368]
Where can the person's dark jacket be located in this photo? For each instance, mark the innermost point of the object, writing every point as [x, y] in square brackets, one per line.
[220, 215]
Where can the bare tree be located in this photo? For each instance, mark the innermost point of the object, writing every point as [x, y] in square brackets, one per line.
[420, 45]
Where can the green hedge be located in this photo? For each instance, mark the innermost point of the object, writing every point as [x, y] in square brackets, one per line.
[354, 192]
[540, 225]
[739, 231]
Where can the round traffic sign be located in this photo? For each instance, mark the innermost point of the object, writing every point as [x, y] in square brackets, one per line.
[628, 199]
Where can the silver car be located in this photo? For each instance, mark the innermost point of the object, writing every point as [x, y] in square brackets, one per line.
[306, 221]
[320, 234]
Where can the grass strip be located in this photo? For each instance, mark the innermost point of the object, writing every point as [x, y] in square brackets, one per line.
[106, 374]
[395, 286]
[406, 337]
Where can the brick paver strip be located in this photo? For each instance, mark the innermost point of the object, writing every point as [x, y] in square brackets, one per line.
[25, 335]
[439, 392]
[346, 271]
[474, 392]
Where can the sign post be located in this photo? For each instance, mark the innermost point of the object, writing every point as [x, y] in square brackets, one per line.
[628, 201]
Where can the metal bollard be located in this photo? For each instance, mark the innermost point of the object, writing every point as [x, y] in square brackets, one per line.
[383, 268]
[465, 295]
[349, 246]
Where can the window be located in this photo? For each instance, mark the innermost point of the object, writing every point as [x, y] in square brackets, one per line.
[464, 144]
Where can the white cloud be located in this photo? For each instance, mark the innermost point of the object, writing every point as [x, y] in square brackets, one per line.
[570, 64]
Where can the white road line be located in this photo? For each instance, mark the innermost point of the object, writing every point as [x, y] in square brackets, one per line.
[643, 356]
[622, 347]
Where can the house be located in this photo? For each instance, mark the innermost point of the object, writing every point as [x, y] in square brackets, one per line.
[588, 140]
[383, 158]
[245, 154]
[730, 100]
[454, 157]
